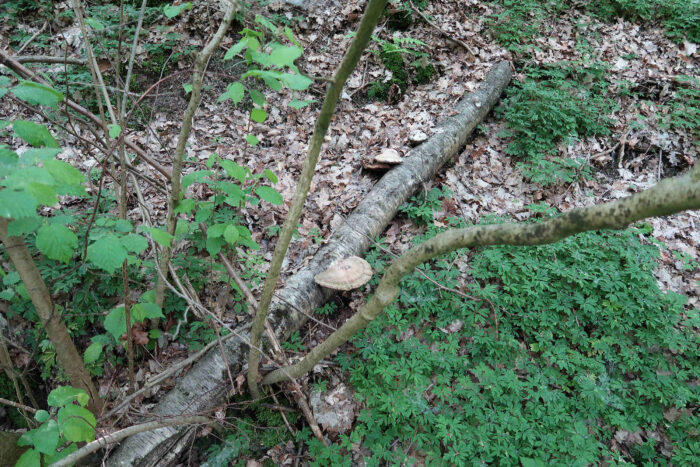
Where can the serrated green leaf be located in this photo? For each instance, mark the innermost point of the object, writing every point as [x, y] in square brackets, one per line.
[76, 423]
[44, 194]
[252, 140]
[64, 395]
[22, 226]
[64, 172]
[107, 253]
[258, 115]
[57, 242]
[34, 134]
[143, 311]
[134, 243]
[123, 225]
[297, 104]
[270, 175]
[194, 177]
[35, 155]
[234, 91]
[94, 23]
[114, 130]
[46, 438]
[269, 194]
[185, 206]
[17, 205]
[296, 82]
[231, 234]
[216, 230]
[265, 22]
[171, 11]
[203, 214]
[236, 49]
[37, 94]
[160, 236]
[213, 245]
[115, 322]
[234, 170]
[257, 97]
[92, 353]
[284, 55]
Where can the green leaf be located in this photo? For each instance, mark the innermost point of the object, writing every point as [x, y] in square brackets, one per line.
[284, 55]
[64, 172]
[16, 205]
[231, 234]
[46, 437]
[107, 253]
[234, 170]
[172, 11]
[44, 194]
[123, 225]
[64, 395]
[134, 243]
[270, 175]
[35, 155]
[76, 423]
[160, 236]
[92, 353]
[196, 176]
[115, 322]
[296, 82]
[22, 226]
[265, 22]
[185, 206]
[252, 140]
[187, 87]
[37, 94]
[31, 458]
[33, 134]
[203, 214]
[527, 462]
[94, 24]
[290, 35]
[114, 130]
[213, 245]
[257, 97]
[216, 230]
[236, 49]
[234, 91]
[143, 311]
[297, 104]
[258, 115]
[41, 416]
[269, 194]
[57, 242]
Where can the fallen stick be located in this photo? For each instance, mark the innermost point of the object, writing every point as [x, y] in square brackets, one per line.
[204, 386]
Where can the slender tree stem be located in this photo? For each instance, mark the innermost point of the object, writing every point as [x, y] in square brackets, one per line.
[352, 56]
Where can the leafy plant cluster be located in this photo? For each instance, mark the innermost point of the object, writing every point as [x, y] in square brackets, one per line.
[552, 351]
[60, 431]
[518, 22]
[552, 107]
[420, 208]
[684, 107]
[396, 55]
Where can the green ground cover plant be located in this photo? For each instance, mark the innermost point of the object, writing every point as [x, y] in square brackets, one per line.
[551, 108]
[556, 349]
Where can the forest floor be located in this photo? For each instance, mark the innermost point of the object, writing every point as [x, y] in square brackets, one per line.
[631, 64]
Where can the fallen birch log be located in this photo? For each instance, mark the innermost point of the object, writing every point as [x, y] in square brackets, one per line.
[204, 387]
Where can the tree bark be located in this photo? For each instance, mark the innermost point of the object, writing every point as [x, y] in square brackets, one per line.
[66, 353]
[204, 387]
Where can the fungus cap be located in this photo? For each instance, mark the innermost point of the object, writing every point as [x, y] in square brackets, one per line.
[345, 274]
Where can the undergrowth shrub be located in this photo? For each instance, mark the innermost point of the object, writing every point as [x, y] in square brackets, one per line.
[558, 348]
[552, 107]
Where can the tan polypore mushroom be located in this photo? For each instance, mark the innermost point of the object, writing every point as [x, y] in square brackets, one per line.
[388, 156]
[345, 274]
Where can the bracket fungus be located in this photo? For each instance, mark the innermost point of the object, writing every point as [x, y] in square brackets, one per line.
[345, 274]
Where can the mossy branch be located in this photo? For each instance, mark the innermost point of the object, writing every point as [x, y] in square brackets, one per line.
[352, 57]
[667, 197]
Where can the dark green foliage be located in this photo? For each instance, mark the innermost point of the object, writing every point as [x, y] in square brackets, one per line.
[394, 88]
[420, 207]
[561, 346]
[424, 74]
[680, 18]
[684, 108]
[553, 106]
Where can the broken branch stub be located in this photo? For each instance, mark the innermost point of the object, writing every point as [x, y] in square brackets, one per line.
[345, 274]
